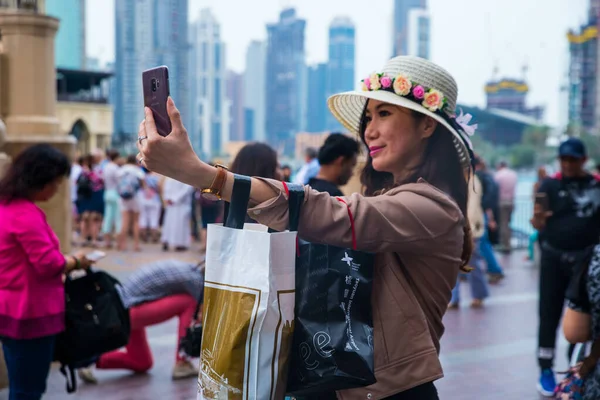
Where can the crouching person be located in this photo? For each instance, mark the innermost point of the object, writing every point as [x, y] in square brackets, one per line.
[154, 294]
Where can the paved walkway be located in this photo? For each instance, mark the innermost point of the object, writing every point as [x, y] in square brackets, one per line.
[487, 354]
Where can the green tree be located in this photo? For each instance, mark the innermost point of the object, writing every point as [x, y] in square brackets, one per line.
[523, 156]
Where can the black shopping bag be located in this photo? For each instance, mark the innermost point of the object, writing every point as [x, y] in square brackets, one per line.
[333, 330]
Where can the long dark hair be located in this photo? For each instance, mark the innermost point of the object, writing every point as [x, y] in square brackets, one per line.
[255, 159]
[440, 166]
[31, 171]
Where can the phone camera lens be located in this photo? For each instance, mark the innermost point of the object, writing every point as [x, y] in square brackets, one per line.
[154, 84]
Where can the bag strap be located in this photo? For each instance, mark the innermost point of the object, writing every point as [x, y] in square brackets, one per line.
[295, 194]
[70, 377]
[590, 362]
[235, 211]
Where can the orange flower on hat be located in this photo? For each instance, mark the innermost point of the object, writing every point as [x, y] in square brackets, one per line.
[402, 85]
[433, 100]
[375, 83]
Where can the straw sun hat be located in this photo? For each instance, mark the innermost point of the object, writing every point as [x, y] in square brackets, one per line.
[416, 84]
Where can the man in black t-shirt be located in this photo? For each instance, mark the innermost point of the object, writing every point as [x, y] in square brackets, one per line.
[337, 158]
[567, 216]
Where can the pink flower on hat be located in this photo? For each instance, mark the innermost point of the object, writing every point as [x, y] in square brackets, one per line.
[375, 84]
[433, 100]
[386, 82]
[402, 85]
[418, 92]
[366, 84]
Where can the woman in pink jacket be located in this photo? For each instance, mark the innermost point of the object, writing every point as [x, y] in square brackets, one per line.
[32, 301]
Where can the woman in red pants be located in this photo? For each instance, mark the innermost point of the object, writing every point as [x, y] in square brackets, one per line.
[153, 294]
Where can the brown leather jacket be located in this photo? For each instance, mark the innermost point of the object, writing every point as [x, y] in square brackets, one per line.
[416, 232]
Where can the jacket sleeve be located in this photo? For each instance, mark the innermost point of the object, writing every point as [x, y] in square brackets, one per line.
[32, 232]
[400, 222]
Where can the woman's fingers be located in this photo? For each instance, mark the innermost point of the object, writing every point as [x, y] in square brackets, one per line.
[175, 116]
[150, 125]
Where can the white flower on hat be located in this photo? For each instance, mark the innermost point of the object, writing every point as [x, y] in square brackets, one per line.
[375, 83]
[434, 100]
[402, 85]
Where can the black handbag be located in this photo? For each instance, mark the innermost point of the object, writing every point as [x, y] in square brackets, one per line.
[96, 322]
[333, 327]
[191, 343]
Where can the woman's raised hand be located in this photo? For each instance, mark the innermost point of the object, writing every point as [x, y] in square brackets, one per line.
[173, 155]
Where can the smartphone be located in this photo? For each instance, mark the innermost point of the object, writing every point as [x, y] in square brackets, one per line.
[155, 82]
[95, 255]
[542, 200]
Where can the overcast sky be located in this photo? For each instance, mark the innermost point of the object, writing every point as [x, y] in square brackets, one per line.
[469, 37]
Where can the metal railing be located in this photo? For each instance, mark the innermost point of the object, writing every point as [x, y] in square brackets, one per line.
[520, 225]
[82, 98]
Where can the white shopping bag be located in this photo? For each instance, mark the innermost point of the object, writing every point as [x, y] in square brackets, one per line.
[248, 308]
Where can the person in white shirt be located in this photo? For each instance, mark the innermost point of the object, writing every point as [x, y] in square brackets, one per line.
[131, 181]
[310, 169]
[150, 207]
[112, 201]
[176, 230]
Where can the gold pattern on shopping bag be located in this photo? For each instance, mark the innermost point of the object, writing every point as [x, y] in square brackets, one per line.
[283, 342]
[229, 318]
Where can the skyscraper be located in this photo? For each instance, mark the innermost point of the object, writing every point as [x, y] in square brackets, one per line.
[316, 120]
[254, 92]
[148, 33]
[285, 84]
[235, 95]
[401, 24]
[69, 49]
[209, 129]
[340, 68]
[418, 39]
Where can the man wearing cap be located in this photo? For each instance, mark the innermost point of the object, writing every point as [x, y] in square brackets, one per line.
[567, 216]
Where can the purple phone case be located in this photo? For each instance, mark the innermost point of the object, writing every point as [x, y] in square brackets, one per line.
[156, 97]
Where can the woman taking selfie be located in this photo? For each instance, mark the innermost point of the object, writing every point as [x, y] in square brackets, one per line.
[412, 213]
[32, 295]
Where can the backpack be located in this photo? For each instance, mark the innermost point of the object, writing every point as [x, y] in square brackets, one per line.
[84, 185]
[96, 321]
[128, 186]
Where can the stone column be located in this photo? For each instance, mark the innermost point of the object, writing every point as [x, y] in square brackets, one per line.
[4, 161]
[29, 100]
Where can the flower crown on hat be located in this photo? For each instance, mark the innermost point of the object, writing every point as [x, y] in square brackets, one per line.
[430, 98]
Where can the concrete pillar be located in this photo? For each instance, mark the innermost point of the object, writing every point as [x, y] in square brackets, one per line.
[28, 46]
[29, 100]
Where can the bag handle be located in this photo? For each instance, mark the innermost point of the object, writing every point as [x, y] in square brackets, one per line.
[69, 373]
[589, 363]
[295, 194]
[235, 211]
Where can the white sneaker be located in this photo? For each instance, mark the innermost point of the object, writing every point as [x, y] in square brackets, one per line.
[86, 375]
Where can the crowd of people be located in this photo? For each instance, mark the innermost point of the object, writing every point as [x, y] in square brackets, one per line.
[431, 211]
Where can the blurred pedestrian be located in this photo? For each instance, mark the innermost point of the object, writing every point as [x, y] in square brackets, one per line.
[156, 293]
[32, 297]
[131, 182]
[476, 278]
[567, 217]
[90, 201]
[337, 159]
[112, 201]
[310, 169]
[150, 206]
[507, 183]
[176, 229]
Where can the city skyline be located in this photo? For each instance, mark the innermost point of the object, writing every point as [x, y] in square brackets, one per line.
[492, 35]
